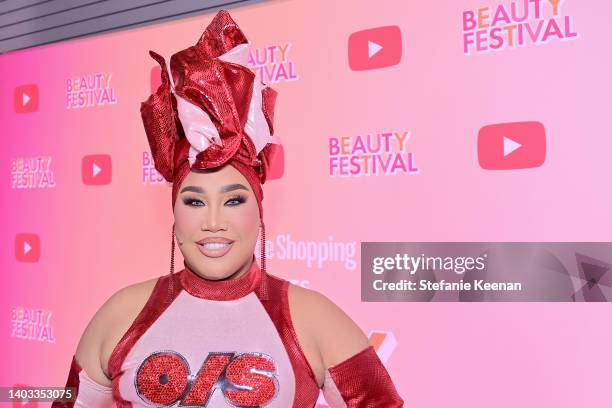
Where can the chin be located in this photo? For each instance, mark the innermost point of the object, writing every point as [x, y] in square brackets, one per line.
[217, 268]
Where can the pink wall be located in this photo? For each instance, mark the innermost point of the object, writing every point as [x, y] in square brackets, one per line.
[97, 239]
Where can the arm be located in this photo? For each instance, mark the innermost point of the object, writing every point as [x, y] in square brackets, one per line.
[88, 392]
[360, 381]
[86, 374]
[88, 368]
[353, 375]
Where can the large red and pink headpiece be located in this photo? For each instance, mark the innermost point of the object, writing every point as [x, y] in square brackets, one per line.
[210, 109]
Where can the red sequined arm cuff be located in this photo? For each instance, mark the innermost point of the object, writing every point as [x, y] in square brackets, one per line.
[361, 381]
[88, 392]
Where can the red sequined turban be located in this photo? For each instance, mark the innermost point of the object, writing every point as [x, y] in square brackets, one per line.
[211, 110]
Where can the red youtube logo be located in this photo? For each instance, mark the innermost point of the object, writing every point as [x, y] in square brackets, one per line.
[516, 145]
[375, 48]
[277, 162]
[27, 248]
[155, 79]
[96, 169]
[25, 98]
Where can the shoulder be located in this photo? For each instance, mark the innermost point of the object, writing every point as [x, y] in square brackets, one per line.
[336, 335]
[116, 314]
[133, 295]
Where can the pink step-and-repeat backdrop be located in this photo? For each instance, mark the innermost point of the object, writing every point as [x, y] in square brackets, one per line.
[379, 109]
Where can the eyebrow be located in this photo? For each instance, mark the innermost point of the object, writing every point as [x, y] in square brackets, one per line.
[224, 189]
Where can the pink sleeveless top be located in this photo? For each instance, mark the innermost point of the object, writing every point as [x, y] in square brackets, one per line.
[213, 344]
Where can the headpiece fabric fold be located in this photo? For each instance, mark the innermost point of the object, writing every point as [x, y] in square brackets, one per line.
[210, 109]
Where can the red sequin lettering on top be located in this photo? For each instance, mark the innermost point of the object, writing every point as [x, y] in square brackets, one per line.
[162, 377]
[200, 391]
[254, 376]
[246, 379]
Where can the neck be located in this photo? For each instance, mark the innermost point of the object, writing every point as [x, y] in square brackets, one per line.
[238, 284]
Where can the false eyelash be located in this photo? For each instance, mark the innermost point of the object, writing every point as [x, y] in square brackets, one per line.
[189, 201]
[240, 198]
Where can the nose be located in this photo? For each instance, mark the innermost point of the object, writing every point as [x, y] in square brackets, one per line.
[212, 219]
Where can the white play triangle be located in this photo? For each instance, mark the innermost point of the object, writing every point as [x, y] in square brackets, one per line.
[96, 169]
[510, 146]
[373, 48]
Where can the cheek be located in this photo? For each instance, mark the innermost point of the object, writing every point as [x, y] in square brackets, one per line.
[186, 221]
[247, 221]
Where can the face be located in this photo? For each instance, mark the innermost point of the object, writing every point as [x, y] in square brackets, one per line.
[216, 203]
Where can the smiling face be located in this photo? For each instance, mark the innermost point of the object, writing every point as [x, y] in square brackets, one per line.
[217, 203]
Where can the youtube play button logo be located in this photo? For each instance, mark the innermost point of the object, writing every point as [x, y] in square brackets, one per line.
[25, 98]
[96, 169]
[155, 79]
[277, 162]
[27, 248]
[375, 48]
[516, 145]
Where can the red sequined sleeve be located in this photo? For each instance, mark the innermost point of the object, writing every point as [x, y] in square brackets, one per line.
[361, 381]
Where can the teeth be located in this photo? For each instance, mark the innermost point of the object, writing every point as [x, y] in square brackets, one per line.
[215, 245]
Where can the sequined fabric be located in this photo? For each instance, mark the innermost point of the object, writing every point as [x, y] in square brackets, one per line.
[207, 351]
[363, 382]
[307, 390]
[72, 381]
[155, 306]
[252, 279]
[221, 89]
[196, 345]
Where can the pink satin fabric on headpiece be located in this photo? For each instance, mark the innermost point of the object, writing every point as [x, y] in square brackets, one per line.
[211, 110]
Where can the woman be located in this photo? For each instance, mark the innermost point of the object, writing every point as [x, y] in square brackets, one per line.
[221, 332]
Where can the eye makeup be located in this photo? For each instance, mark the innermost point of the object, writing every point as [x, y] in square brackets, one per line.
[193, 202]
